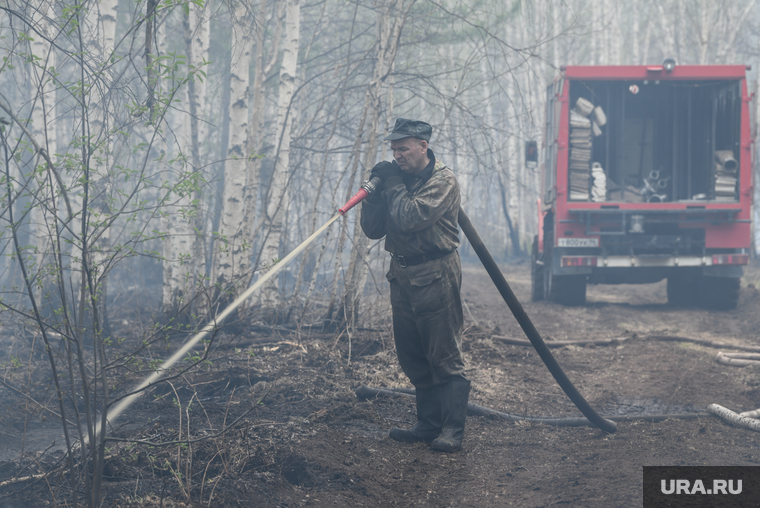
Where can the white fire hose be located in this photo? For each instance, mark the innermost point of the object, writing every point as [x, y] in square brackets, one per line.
[127, 401]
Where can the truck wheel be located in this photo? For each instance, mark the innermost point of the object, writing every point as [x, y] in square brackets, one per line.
[570, 289]
[536, 274]
[567, 290]
[683, 288]
[719, 293]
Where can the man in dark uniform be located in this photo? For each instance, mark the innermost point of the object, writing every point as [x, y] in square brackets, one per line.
[416, 210]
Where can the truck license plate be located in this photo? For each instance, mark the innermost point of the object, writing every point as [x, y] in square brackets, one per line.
[579, 242]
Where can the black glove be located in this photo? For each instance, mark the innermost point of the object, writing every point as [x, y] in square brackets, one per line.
[389, 174]
[383, 170]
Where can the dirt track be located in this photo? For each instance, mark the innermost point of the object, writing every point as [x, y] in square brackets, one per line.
[310, 442]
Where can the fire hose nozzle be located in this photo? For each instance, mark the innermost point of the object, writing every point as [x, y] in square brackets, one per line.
[367, 188]
[371, 185]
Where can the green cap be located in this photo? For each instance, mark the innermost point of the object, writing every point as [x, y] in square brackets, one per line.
[410, 129]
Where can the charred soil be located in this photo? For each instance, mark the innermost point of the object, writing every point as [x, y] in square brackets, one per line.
[308, 441]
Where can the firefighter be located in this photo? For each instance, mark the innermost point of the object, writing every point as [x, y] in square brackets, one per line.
[417, 211]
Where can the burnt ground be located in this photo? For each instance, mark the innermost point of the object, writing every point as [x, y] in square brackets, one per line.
[308, 440]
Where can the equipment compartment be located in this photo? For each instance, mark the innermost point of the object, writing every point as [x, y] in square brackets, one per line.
[662, 141]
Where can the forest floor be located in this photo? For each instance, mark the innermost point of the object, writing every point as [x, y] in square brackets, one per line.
[309, 441]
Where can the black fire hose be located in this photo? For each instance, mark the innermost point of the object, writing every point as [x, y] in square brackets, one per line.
[527, 325]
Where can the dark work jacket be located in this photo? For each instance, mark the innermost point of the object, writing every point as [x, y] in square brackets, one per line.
[418, 216]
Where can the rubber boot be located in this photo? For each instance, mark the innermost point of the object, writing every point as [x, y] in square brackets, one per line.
[454, 395]
[428, 425]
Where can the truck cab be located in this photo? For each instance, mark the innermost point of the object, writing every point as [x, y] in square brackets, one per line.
[646, 175]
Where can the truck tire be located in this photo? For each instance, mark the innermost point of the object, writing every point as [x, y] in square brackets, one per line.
[683, 288]
[568, 290]
[536, 273]
[719, 293]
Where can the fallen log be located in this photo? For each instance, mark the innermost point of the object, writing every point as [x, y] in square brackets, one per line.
[13, 481]
[561, 343]
[743, 356]
[736, 360]
[731, 417]
[705, 342]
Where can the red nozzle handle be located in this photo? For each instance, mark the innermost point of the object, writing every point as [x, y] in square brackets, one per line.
[358, 197]
[367, 189]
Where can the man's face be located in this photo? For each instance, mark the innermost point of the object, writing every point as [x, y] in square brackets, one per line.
[410, 154]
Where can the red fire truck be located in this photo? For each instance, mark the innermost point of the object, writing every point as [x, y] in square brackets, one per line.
[647, 175]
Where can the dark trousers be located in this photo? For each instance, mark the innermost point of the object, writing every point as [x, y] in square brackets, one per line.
[428, 319]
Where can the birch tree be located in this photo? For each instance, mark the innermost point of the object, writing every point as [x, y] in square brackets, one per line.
[390, 22]
[232, 258]
[100, 26]
[184, 265]
[262, 69]
[277, 198]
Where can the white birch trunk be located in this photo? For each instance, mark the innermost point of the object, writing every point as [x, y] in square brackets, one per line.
[615, 32]
[198, 48]
[184, 255]
[173, 287]
[513, 204]
[647, 40]
[705, 23]
[233, 252]
[523, 207]
[172, 290]
[198, 23]
[277, 200]
[258, 107]
[391, 21]
[100, 26]
[734, 28]
[512, 159]
[596, 27]
[101, 20]
[258, 112]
